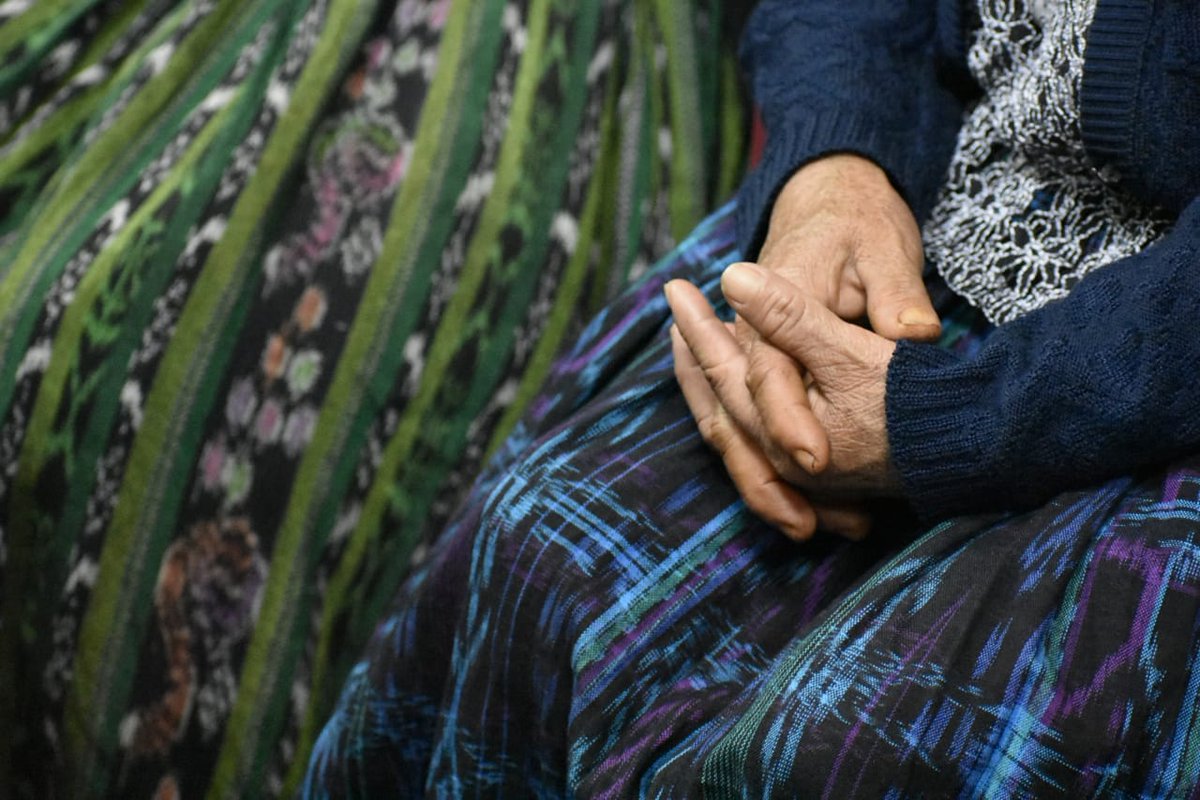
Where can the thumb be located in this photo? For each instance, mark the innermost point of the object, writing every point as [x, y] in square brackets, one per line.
[897, 303]
[790, 319]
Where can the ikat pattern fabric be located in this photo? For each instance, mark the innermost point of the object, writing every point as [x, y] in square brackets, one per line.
[275, 277]
[1024, 214]
[604, 619]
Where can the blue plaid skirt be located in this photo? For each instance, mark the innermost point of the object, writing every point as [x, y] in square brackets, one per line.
[605, 619]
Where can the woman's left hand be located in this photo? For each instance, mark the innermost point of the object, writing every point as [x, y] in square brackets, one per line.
[829, 437]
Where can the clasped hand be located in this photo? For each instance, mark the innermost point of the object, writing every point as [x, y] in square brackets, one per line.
[792, 393]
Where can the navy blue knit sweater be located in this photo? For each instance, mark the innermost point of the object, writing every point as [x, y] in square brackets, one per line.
[1099, 384]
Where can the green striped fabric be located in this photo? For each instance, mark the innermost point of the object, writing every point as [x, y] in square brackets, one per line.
[276, 276]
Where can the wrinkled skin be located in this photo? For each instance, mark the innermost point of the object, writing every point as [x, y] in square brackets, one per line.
[792, 393]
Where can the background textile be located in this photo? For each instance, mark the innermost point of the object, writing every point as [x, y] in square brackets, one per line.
[275, 276]
[605, 619]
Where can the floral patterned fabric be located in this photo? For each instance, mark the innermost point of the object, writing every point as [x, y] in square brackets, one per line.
[275, 277]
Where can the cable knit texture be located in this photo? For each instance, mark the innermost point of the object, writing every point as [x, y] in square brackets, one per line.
[1095, 385]
[1092, 386]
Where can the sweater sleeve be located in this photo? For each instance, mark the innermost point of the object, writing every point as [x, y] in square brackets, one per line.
[1098, 384]
[878, 78]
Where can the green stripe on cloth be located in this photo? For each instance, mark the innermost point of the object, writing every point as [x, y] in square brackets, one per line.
[574, 279]
[642, 185]
[732, 140]
[180, 397]
[450, 119]
[26, 159]
[445, 240]
[35, 138]
[689, 183]
[25, 542]
[38, 19]
[108, 168]
[174, 217]
[113, 29]
[419, 455]
[454, 326]
[33, 34]
[522, 195]
[42, 554]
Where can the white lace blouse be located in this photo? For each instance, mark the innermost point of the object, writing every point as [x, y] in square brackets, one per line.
[1023, 214]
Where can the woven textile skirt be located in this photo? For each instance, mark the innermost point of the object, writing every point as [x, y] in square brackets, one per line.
[604, 619]
[275, 277]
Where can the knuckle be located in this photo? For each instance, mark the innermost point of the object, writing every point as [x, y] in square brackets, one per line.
[758, 375]
[782, 314]
[746, 335]
[719, 376]
[714, 430]
[782, 430]
[757, 499]
[680, 369]
[784, 466]
[776, 417]
[804, 529]
[897, 293]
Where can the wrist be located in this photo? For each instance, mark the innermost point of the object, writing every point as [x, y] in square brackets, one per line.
[826, 178]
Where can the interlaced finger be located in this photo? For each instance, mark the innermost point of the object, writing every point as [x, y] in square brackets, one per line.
[777, 388]
[765, 492]
[721, 361]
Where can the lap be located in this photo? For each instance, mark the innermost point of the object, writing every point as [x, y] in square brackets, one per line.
[605, 616]
[605, 530]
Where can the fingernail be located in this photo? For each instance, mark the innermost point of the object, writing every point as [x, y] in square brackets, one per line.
[806, 460]
[918, 316]
[667, 290]
[741, 282]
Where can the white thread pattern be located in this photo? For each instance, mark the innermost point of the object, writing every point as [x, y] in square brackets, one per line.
[1024, 214]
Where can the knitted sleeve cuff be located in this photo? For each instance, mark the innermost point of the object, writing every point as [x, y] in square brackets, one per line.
[941, 431]
[800, 138]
